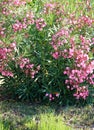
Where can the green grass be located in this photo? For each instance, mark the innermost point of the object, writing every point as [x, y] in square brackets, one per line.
[47, 122]
[22, 116]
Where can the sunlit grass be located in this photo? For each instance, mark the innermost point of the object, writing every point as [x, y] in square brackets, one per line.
[4, 125]
[47, 122]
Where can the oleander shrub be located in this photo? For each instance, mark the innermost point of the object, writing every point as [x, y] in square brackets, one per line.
[47, 49]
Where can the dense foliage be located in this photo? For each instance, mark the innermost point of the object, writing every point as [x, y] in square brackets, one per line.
[47, 49]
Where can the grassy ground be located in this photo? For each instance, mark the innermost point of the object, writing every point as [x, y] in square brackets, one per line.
[20, 116]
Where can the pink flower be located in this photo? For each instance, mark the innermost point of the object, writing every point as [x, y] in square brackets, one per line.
[47, 95]
[55, 55]
[13, 45]
[29, 66]
[40, 24]
[57, 94]
[7, 73]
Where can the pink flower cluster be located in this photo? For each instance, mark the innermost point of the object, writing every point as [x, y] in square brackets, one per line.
[7, 73]
[55, 55]
[84, 20]
[82, 68]
[49, 7]
[4, 3]
[54, 7]
[80, 73]
[13, 45]
[7, 5]
[82, 92]
[52, 96]
[20, 2]
[58, 41]
[28, 68]
[5, 11]
[19, 25]
[2, 32]
[91, 79]
[6, 53]
[81, 21]
[40, 24]
[3, 53]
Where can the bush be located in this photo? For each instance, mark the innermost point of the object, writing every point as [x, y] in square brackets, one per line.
[47, 52]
